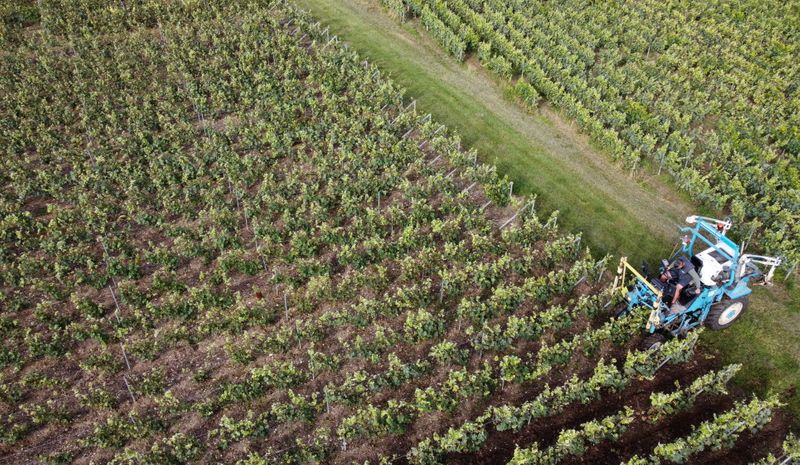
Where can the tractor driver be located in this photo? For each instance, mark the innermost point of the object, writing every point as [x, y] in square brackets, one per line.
[682, 274]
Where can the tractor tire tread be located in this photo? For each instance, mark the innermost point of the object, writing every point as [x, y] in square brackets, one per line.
[712, 320]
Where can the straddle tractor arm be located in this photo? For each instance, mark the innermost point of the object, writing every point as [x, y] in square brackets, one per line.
[748, 260]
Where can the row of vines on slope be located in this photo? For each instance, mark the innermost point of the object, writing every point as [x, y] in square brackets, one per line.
[226, 238]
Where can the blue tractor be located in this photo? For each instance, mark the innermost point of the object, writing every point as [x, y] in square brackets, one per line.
[708, 272]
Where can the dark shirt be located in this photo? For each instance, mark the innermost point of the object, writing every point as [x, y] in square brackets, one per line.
[681, 277]
[684, 278]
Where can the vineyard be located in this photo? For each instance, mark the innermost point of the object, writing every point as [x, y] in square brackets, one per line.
[226, 238]
[655, 84]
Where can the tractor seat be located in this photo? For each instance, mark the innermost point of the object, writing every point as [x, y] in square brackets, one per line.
[687, 295]
[698, 264]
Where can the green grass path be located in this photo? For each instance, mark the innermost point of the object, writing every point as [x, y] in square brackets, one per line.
[543, 154]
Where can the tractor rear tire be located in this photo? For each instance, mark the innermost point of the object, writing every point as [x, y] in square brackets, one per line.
[725, 312]
[652, 341]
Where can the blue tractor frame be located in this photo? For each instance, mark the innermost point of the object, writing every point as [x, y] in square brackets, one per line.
[717, 298]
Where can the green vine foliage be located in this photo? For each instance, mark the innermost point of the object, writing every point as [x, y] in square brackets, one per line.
[596, 64]
[225, 237]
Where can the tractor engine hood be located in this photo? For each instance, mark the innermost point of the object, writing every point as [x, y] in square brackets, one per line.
[713, 263]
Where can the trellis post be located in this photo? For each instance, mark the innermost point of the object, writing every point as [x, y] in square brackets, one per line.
[130, 391]
[792, 269]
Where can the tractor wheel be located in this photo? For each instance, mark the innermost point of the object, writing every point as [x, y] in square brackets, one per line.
[653, 341]
[725, 312]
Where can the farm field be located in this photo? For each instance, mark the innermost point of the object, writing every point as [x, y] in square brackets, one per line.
[707, 92]
[228, 238]
[615, 213]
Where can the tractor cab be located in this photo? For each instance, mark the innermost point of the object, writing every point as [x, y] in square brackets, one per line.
[711, 273]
